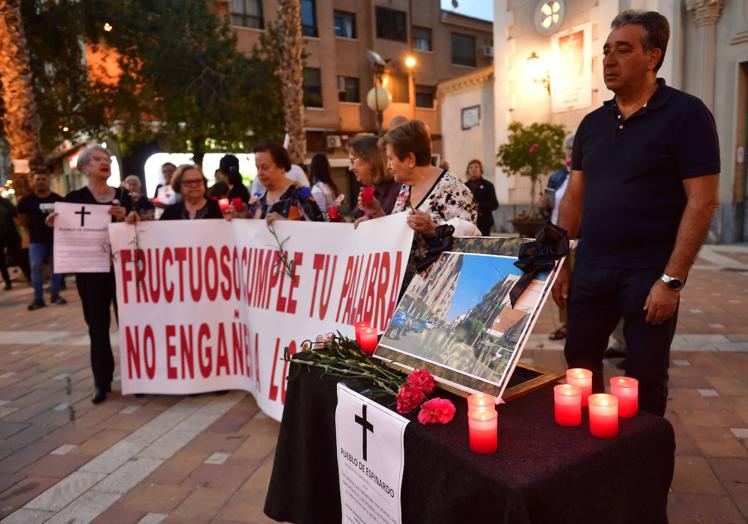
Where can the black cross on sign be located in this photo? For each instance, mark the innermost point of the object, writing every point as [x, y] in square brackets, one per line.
[365, 425]
[83, 214]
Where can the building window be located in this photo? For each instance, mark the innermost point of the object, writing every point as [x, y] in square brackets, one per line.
[312, 87]
[463, 49]
[421, 38]
[308, 18]
[246, 13]
[397, 85]
[345, 24]
[425, 96]
[392, 24]
[348, 89]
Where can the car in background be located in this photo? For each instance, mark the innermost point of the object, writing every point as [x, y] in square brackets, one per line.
[417, 326]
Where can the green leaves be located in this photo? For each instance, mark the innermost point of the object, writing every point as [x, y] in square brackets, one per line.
[535, 150]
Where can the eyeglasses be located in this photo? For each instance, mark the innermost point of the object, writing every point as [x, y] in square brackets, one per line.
[192, 183]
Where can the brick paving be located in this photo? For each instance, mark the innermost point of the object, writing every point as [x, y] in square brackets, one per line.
[208, 458]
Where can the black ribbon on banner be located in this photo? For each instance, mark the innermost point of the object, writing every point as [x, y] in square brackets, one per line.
[551, 243]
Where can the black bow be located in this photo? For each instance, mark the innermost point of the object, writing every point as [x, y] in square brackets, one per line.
[551, 243]
[429, 247]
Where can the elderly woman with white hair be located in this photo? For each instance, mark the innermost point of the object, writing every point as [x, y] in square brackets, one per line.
[97, 290]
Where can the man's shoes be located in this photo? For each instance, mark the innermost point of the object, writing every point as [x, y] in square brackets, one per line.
[57, 299]
[99, 395]
[36, 304]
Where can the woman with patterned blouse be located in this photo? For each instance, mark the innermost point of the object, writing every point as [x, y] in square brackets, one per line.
[433, 195]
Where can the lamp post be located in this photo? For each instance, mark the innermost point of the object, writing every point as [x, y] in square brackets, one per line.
[378, 98]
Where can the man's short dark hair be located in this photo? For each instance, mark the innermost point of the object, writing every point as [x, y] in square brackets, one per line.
[276, 151]
[656, 29]
[168, 164]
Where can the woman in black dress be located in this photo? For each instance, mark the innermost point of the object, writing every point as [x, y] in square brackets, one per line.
[98, 290]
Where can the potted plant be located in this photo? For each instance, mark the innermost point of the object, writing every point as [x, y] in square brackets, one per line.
[532, 151]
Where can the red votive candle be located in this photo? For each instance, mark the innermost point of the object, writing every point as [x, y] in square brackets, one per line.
[333, 213]
[481, 401]
[626, 389]
[567, 400]
[603, 415]
[483, 430]
[369, 340]
[237, 203]
[367, 195]
[582, 378]
[359, 327]
[223, 204]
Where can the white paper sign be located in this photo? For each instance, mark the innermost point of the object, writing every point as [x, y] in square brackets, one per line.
[82, 238]
[571, 77]
[371, 459]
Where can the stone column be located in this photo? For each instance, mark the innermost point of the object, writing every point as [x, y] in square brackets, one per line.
[706, 13]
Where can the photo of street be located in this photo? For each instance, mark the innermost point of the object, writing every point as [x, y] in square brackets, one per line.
[460, 319]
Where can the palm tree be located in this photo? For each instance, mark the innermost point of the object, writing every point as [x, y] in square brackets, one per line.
[291, 74]
[21, 122]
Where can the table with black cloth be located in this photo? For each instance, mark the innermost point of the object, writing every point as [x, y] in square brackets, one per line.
[541, 473]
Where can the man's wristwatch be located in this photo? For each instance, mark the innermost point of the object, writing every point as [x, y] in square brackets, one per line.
[673, 283]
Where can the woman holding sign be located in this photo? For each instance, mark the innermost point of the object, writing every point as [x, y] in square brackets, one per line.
[97, 290]
[192, 184]
[282, 200]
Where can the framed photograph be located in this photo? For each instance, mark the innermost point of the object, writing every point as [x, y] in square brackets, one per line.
[470, 117]
[457, 322]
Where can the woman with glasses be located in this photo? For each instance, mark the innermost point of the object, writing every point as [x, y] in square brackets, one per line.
[98, 290]
[369, 165]
[190, 182]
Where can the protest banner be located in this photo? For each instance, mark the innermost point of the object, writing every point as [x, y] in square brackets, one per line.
[210, 305]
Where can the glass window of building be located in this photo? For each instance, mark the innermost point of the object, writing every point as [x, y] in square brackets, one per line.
[397, 85]
[246, 13]
[312, 87]
[425, 96]
[463, 49]
[392, 24]
[308, 18]
[421, 38]
[345, 24]
[348, 89]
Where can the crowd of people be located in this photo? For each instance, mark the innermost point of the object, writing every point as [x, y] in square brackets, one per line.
[393, 173]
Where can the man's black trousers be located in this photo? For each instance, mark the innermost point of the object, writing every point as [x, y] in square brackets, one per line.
[598, 298]
[98, 292]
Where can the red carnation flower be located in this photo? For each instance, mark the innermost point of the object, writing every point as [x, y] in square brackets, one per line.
[408, 398]
[533, 148]
[436, 410]
[423, 380]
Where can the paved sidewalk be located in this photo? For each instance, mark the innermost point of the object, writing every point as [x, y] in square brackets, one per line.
[208, 458]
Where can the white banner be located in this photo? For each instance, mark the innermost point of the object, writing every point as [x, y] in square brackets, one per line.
[371, 459]
[82, 238]
[208, 305]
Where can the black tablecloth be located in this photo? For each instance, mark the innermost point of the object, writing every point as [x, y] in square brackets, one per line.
[541, 473]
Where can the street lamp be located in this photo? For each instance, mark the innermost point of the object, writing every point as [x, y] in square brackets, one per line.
[537, 71]
[378, 98]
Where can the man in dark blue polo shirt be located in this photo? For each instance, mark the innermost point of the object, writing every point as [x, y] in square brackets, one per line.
[641, 195]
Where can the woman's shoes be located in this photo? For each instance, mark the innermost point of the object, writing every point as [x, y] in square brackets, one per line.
[99, 395]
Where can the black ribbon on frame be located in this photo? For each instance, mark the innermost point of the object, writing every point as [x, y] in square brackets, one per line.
[551, 243]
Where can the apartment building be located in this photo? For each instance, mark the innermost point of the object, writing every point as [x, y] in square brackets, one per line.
[338, 75]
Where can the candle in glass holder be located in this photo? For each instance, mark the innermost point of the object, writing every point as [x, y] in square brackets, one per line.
[582, 378]
[369, 340]
[367, 195]
[483, 430]
[359, 326]
[567, 399]
[626, 389]
[333, 213]
[481, 401]
[603, 415]
[223, 204]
